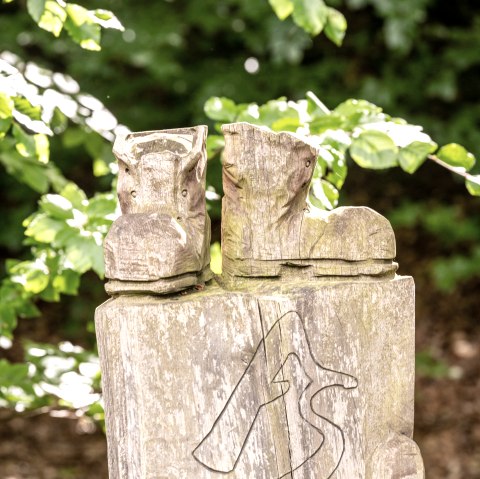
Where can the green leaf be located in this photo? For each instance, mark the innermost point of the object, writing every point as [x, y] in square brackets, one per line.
[42, 148]
[456, 155]
[221, 109]
[473, 185]
[282, 8]
[25, 170]
[75, 195]
[25, 143]
[44, 229]
[374, 150]
[357, 112]
[29, 146]
[278, 115]
[82, 28]
[67, 282]
[216, 258]
[32, 275]
[22, 105]
[6, 111]
[106, 19]
[52, 18]
[101, 205]
[84, 253]
[215, 143]
[412, 156]
[12, 374]
[56, 206]
[323, 195]
[8, 320]
[311, 15]
[336, 26]
[36, 8]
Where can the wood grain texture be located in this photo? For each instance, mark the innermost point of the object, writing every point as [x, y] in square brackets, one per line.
[164, 230]
[301, 380]
[266, 222]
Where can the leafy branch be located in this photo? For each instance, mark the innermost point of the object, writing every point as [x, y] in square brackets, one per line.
[313, 16]
[355, 129]
[84, 26]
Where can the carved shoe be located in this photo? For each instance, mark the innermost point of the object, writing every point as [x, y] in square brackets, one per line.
[269, 230]
[161, 242]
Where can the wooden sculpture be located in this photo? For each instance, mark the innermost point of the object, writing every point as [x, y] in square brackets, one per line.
[297, 363]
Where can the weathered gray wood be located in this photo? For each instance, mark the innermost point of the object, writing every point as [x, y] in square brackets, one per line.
[266, 222]
[293, 379]
[161, 242]
[306, 375]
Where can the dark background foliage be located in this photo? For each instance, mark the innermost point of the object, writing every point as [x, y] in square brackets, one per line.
[418, 59]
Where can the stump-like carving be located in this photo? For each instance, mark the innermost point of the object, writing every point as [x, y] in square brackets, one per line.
[301, 378]
[267, 224]
[161, 243]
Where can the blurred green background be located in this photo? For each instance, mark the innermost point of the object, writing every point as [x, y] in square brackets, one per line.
[417, 59]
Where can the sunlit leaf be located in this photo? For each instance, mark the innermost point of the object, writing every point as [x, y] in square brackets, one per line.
[456, 155]
[82, 28]
[278, 115]
[106, 19]
[23, 106]
[216, 258]
[56, 206]
[323, 195]
[36, 146]
[36, 8]
[101, 205]
[358, 112]
[32, 275]
[282, 8]
[311, 15]
[221, 109]
[52, 18]
[6, 110]
[67, 282]
[84, 253]
[375, 150]
[75, 195]
[28, 171]
[215, 143]
[25, 143]
[43, 229]
[336, 26]
[412, 156]
[473, 185]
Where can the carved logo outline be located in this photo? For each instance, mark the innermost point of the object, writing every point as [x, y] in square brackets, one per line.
[288, 330]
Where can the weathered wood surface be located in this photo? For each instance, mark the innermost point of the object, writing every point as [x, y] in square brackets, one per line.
[267, 223]
[300, 380]
[306, 375]
[161, 242]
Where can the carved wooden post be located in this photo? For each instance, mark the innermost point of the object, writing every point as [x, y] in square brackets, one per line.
[297, 363]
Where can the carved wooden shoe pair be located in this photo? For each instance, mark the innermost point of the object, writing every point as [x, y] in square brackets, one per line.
[161, 243]
[267, 227]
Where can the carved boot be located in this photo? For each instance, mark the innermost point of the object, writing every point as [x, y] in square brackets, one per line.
[161, 242]
[269, 230]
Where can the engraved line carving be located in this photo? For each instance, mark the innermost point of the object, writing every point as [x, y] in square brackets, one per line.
[282, 358]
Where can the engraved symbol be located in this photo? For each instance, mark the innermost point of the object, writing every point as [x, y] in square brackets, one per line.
[287, 375]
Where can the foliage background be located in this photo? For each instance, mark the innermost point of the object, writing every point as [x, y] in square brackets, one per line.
[417, 59]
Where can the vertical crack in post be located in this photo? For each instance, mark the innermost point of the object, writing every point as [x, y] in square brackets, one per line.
[263, 390]
[285, 408]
